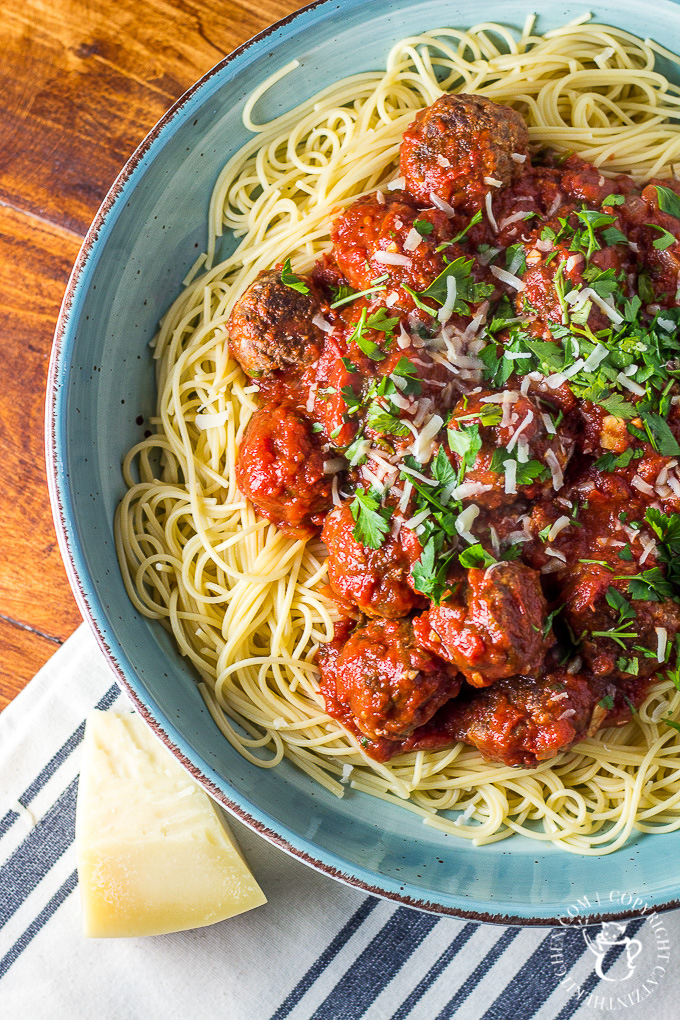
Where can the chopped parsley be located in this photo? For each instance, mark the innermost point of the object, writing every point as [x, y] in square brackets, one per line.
[377, 321]
[669, 202]
[515, 259]
[610, 461]
[344, 295]
[527, 473]
[660, 435]
[372, 520]
[405, 378]
[467, 291]
[665, 240]
[289, 279]
[477, 218]
[466, 443]
[381, 420]
[476, 556]
[424, 227]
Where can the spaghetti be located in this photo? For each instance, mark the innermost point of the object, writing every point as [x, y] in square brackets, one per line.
[247, 605]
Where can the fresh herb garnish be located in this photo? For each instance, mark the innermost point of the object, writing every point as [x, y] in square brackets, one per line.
[424, 227]
[476, 556]
[527, 473]
[467, 291]
[660, 435]
[669, 202]
[289, 279]
[372, 520]
[344, 295]
[381, 420]
[477, 218]
[665, 240]
[466, 443]
[613, 200]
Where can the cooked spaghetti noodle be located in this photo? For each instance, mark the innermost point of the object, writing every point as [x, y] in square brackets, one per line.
[248, 605]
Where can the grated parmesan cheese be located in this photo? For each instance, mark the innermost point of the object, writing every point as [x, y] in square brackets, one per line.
[555, 469]
[628, 384]
[321, 323]
[392, 258]
[642, 485]
[505, 277]
[560, 524]
[661, 642]
[510, 468]
[441, 204]
[413, 240]
[489, 213]
[465, 521]
[519, 430]
[446, 310]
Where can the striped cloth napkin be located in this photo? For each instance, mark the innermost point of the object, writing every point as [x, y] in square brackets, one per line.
[318, 949]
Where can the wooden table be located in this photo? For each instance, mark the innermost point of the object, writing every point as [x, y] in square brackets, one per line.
[81, 82]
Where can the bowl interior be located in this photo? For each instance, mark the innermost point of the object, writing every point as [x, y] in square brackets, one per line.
[140, 248]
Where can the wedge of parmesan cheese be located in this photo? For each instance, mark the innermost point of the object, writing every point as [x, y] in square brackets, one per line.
[154, 852]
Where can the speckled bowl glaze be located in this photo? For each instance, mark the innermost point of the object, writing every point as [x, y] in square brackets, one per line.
[138, 250]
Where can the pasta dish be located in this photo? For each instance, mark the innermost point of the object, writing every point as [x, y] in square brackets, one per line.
[411, 501]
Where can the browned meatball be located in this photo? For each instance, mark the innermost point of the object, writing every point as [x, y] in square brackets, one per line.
[493, 627]
[542, 304]
[370, 228]
[375, 580]
[271, 326]
[595, 606]
[458, 141]
[520, 430]
[384, 681]
[520, 721]
[281, 470]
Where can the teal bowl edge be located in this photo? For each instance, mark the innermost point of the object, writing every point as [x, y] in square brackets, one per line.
[69, 520]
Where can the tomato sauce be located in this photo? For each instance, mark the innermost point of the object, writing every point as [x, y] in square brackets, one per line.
[473, 398]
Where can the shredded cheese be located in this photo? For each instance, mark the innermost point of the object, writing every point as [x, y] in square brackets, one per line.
[661, 642]
[392, 258]
[505, 277]
[555, 469]
[489, 213]
[520, 429]
[510, 469]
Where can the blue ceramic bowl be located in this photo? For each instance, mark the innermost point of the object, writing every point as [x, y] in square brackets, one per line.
[139, 248]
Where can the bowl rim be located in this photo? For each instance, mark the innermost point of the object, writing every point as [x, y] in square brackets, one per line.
[59, 496]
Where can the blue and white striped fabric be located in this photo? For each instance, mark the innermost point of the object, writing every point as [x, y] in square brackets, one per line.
[317, 950]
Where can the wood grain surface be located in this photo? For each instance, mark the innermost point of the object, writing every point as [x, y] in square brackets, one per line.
[81, 83]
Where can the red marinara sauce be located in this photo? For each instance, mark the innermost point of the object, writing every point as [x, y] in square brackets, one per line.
[474, 399]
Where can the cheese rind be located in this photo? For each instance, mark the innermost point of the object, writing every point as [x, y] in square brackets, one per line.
[155, 854]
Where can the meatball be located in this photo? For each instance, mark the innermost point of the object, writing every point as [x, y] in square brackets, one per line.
[596, 606]
[371, 227]
[385, 681]
[646, 220]
[520, 433]
[375, 580]
[271, 326]
[281, 471]
[493, 628]
[521, 721]
[542, 304]
[457, 142]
